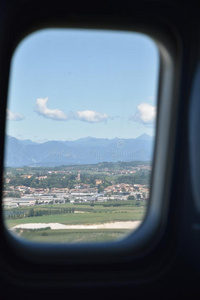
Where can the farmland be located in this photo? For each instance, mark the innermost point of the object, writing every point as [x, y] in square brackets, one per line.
[76, 214]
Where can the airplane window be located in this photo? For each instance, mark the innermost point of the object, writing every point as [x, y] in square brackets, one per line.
[80, 135]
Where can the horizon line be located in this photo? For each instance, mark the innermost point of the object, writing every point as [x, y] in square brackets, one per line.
[92, 137]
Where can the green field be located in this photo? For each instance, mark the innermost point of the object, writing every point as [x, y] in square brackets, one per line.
[84, 214]
[72, 236]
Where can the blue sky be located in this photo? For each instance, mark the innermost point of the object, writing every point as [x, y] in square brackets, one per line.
[67, 84]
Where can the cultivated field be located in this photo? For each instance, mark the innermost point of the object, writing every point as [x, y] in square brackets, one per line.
[113, 213]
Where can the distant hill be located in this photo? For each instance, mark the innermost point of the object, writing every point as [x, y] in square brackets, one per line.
[87, 150]
[28, 142]
[145, 137]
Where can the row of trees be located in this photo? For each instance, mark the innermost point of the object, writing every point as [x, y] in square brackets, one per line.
[36, 213]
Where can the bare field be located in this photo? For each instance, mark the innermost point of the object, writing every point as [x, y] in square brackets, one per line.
[55, 226]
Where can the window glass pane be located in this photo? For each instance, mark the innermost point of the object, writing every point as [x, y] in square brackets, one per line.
[79, 135]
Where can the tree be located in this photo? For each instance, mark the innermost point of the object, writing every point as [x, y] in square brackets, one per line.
[31, 213]
[131, 197]
[100, 188]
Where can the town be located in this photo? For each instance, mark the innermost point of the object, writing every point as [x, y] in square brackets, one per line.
[121, 181]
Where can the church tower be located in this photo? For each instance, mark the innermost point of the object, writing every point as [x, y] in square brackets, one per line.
[78, 176]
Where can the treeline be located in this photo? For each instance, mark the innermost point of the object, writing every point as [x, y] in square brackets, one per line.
[57, 180]
[36, 213]
[109, 165]
[53, 180]
[122, 164]
[125, 203]
[141, 177]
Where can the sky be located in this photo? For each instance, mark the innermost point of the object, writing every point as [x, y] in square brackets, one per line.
[67, 84]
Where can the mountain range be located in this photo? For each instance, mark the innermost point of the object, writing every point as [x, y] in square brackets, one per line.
[87, 150]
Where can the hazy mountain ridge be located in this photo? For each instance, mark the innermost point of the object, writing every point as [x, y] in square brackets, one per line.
[82, 151]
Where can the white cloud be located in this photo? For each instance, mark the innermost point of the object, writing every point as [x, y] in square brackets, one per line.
[14, 116]
[91, 116]
[146, 113]
[42, 109]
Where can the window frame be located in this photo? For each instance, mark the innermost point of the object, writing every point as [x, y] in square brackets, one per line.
[148, 235]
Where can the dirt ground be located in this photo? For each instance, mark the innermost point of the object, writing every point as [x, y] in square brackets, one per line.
[54, 226]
